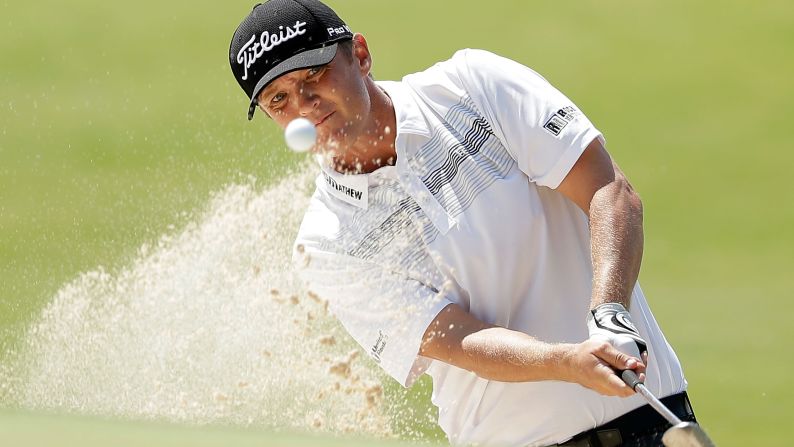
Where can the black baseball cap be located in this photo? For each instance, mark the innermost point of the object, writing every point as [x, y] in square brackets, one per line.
[280, 36]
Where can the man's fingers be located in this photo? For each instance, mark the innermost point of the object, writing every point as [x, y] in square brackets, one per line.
[617, 387]
[619, 360]
[595, 365]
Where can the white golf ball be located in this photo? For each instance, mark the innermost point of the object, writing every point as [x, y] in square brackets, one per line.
[300, 134]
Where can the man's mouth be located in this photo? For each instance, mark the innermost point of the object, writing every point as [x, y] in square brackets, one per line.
[323, 119]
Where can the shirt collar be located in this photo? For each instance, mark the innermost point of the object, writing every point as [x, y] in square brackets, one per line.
[353, 188]
[406, 111]
[411, 122]
[349, 188]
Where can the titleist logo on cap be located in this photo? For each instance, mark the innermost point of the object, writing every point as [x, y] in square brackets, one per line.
[281, 36]
[253, 49]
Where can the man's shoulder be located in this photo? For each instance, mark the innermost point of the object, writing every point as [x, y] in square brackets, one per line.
[464, 71]
[461, 58]
[473, 55]
[470, 55]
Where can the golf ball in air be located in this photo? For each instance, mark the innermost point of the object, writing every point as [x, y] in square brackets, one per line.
[300, 134]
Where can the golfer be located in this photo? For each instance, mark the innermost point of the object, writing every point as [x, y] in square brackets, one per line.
[468, 223]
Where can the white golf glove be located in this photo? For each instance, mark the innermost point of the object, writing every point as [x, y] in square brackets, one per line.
[611, 322]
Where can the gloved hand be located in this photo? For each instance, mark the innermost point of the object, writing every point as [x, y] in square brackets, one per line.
[611, 322]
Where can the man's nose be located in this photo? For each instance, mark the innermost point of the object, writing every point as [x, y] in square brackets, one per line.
[307, 100]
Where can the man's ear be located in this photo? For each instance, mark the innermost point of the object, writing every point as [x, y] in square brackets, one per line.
[361, 53]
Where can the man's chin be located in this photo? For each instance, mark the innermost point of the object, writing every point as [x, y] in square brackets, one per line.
[327, 150]
[326, 146]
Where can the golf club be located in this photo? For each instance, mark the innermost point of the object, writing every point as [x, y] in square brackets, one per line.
[681, 434]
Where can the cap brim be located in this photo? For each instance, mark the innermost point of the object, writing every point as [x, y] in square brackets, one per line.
[305, 59]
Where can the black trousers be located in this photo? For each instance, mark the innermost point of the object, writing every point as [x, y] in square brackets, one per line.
[642, 427]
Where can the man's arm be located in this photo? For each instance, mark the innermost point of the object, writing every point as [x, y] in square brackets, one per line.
[599, 188]
[458, 338]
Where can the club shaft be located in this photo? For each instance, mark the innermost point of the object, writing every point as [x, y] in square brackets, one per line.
[631, 379]
[657, 405]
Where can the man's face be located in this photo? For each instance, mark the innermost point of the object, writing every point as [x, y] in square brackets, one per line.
[334, 97]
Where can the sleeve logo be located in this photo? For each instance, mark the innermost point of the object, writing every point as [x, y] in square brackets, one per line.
[560, 119]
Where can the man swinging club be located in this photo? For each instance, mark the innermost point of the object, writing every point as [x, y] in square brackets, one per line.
[468, 223]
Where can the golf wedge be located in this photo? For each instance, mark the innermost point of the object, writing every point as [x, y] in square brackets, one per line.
[681, 434]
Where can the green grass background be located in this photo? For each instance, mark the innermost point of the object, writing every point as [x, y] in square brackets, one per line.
[118, 119]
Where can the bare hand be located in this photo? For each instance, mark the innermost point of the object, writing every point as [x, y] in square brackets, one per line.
[593, 363]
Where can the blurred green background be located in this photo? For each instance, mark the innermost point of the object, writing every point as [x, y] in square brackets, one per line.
[117, 120]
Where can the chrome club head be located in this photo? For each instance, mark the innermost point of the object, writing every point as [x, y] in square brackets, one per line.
[686, 434]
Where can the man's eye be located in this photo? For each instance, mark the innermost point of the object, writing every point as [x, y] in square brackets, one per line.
[277, 98]
[314, 72]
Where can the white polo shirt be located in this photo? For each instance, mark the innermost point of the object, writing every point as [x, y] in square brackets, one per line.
[469, 215]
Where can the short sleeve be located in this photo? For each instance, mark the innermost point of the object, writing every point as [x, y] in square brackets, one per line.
[543, 130]
[385, 312]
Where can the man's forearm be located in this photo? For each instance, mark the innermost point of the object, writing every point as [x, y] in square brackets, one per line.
[599, 188]
[616, 241]
[497, 353]
[492, 352]
[509, 356]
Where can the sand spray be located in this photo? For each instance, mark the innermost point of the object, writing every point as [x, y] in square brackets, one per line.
[209, 325]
